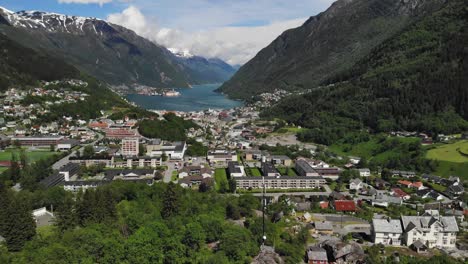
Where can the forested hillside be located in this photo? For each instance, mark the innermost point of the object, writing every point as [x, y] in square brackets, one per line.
[415, 81]
[325, 45]
[21, 65]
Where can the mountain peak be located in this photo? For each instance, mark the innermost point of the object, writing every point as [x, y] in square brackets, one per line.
[181, 53]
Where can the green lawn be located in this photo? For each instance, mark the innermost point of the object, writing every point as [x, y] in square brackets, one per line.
[450, 152]
[220, 176]
[447, 168]
[2, 169]
[174, 175]
[31, 155]
[255, 172]
[286, 171]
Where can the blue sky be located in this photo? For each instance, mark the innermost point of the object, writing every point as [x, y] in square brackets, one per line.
[204, 27]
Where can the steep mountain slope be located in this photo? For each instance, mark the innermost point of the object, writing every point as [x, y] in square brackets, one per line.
[417, 81]
[204, 70]
[21, 65]
[109, 52]
[325, 45]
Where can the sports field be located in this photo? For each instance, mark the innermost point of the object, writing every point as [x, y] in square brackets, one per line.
[31, 155]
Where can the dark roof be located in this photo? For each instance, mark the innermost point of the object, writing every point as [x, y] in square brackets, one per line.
[305, 166]
[268, 168]
[233, 167]
[53, 180]
[110, 174]
[70, 167]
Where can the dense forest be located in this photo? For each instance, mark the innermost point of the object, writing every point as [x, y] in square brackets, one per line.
[133, 223]
[415, 81]
[172, 128]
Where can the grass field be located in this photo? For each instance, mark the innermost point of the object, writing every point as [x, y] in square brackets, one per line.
[451, 161]
[366, 149]
[450, 152]
[31, 155]
[220, 176]
[2, 169]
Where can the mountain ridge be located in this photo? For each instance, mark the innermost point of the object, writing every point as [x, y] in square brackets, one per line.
[107, 51]
[324, 45]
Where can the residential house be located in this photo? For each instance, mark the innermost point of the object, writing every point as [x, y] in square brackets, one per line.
[317, 255]
[430, 230]
[205, 172]
[455, 191]
[397, 192]
[323, 227]
[404, 174]
[281, 160]
[356, 184]
[364, 172]
[344, 206]
[387, 231]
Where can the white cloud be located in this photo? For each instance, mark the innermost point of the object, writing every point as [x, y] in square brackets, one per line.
[100, 2]
[235, 45]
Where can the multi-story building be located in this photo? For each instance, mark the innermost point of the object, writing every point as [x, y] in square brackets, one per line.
[130, 147]
[387, 231]
[235, 169]
[45, 140]
[221, 156]
[173, 150]
[269, 170]
[284, 182]
[303, 168]
[430, 230]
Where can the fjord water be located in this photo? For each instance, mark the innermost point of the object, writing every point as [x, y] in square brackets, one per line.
[200, 97]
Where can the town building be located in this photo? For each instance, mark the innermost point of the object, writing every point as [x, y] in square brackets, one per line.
[387, 231]
[284, 182]
[317, 255]
[364, 172]
[329, 173]
[173, 150]
[281, 160]
[269, 170]
[304, 169]
[130, 147]
[67, 144]
[344, 205]
[235, 169]
[430, 229]
[41, 140]
[221, 156]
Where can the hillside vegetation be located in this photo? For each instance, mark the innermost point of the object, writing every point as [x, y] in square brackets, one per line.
[414, 81]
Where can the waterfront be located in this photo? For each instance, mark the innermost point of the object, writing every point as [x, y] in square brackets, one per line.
[200, 97]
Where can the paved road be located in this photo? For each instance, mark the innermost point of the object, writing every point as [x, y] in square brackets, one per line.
[306, 194]
[168, 173]
[65, 160]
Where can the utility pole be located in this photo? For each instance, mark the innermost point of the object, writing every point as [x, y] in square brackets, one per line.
[263, 212]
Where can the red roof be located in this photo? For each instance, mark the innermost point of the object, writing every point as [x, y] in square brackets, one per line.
[345, 206]
[403, 182]
[399, 192]
[417, 184]
[324, 205]
[5, 163]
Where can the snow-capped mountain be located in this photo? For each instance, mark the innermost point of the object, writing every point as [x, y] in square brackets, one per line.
[107, 51]
[52, 22]
[181, 53]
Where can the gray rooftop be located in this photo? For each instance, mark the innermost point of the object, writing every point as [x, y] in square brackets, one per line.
[387, 226]
[447, 223]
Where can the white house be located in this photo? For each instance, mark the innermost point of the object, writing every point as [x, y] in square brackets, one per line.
[430, 230]
[356, 184]
[364, 172]
[387, 231]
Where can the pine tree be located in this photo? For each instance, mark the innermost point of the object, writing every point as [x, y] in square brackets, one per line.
[170, 201]
[65, 215]
[15, 170]
[17, 225]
